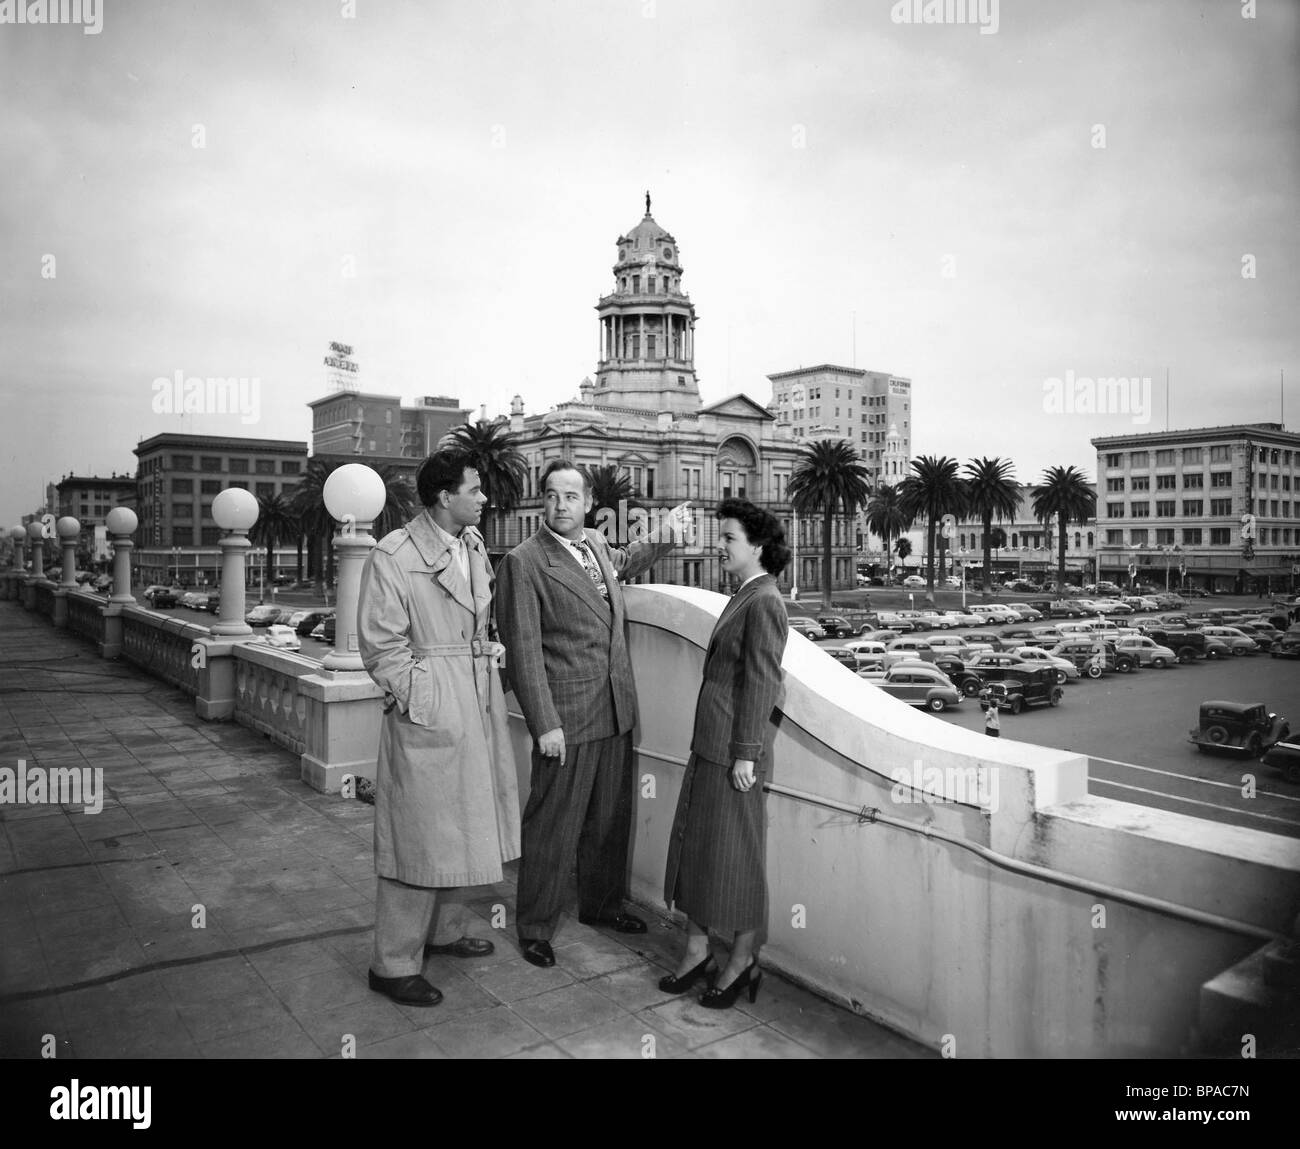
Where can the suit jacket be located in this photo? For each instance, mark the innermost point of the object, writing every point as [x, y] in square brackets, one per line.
[742, 674]
[566, 651]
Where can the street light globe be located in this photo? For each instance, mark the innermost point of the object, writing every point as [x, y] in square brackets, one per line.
[121, 521]
[35, 531]
[355, 493]
[17, 532]
[68, 527]
[234, 509]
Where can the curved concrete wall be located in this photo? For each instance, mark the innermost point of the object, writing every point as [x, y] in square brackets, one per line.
[948, 946]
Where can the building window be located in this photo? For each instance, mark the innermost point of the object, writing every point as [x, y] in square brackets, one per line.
[211, 536]
[1165, 508]
[182, 510]
[1220, 506]
[1166, 482]
[1115, 484]
[1191, 536]
[179, 487]
[1138, 536]
[211, 463]
[1194, 482]
[1114, 510]
[1220, 536]
[1165, 537]
[239, 484]
[264, 490]
[1115, 460]
[238, 466]
[1220, 454]
[1114, 538]
[182, 462]
[182, 536]
[1139, 459]
[1191, 456]
[1193, 508]
[1165, 457]
[266, 466]
[636, 285]
[1140, 510]
[288, 467]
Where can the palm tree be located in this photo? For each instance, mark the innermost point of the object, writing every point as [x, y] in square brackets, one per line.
[998, 539]
[1065, 494]
[829, 475]
[903, 548]
[400, 505]
[991, 494]
[308, 504]
[502, 470]
[276, 524]
[933, 490]
[610, 485]
[885, 517]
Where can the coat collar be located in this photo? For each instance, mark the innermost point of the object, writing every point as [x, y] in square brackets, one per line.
[561, 565]
[435, 551]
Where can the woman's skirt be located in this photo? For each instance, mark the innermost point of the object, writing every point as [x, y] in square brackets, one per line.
[717, 852]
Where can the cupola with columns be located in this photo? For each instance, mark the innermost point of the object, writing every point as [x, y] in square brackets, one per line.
[647, 326]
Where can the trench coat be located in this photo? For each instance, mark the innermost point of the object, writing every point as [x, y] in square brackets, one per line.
[446, 789]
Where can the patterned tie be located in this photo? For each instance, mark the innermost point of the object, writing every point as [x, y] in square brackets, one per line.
[589, 561]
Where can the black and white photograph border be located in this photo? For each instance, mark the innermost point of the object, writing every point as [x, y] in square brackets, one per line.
[932, 282]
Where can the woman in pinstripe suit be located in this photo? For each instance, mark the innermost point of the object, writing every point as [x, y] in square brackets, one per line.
[717, 852]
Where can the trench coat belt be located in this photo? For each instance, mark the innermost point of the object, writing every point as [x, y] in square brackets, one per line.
[478, 647]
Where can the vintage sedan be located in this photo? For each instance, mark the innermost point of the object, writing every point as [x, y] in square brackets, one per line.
[1288, 646]
[1285, 758]
[987, 667]
[914, 582]
[1235, 640]
[1021, 688]
[919, 684]
[1247, 728]
[1147, 651]
[834, 625]
[805, 626]
[1064, 667]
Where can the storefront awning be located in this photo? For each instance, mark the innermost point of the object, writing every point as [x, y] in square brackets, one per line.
[1266, 570]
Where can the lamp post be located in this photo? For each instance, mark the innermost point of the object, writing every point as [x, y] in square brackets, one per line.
[36, 537]
[176, 566]
[18, 534]
[68, 530]
[794, 547]
[354, 495]
[234, 510]
[121, 523]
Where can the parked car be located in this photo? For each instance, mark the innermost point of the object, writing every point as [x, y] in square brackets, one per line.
[807, 627]
[1094, 658]
[1243, 727]
[1035, 656]
[843, 657]
[994, 614]
[833, 626]
[915, 617]
[914, 582]
[891, 620]
[908, 649]
[1188, 645]
[1288, 646]
[936, 619]
[962, 618]
[1026, 612]
[1147, 651]
[151, 590]
[1023, 688]
[194, 600]
[324, 630]
[866, 652]
[1235, 640]
[277, 634]
[163, 599]
[988, 666]
[311, 620]
[1285, 758]
[262, 615]
[882, 635]
[952, 644]
[918, 684]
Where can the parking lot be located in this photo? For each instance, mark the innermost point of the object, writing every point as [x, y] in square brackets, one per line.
[1134, 728]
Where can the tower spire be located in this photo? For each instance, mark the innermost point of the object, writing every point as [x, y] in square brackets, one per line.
[647, 201]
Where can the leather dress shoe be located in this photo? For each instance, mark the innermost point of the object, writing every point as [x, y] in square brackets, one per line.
[537, 952]
[413, 990]
[621, 923]
[465, 947]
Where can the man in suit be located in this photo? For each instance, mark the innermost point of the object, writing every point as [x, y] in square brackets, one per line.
[561, 616]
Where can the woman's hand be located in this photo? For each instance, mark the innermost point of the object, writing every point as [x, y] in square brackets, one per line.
[742, 774]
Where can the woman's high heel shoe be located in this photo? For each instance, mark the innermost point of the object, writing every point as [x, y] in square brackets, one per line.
[671, 984]
[715, 998]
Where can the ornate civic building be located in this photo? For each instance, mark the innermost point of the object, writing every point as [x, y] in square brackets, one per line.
[643, 414]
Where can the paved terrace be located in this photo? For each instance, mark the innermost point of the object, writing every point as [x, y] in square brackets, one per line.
[97, 910]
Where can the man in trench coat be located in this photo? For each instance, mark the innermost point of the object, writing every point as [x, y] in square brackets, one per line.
[561, 615]
[446, 793]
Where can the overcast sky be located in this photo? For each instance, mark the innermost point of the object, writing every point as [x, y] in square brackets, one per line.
[473, 164]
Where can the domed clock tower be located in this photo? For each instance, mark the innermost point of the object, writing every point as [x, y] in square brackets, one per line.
[647, 326]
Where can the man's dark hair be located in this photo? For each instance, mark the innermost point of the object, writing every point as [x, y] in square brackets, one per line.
[762, 528]
[564, 465]
[442, 471]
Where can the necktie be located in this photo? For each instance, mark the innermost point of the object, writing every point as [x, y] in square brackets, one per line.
[589, 561]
